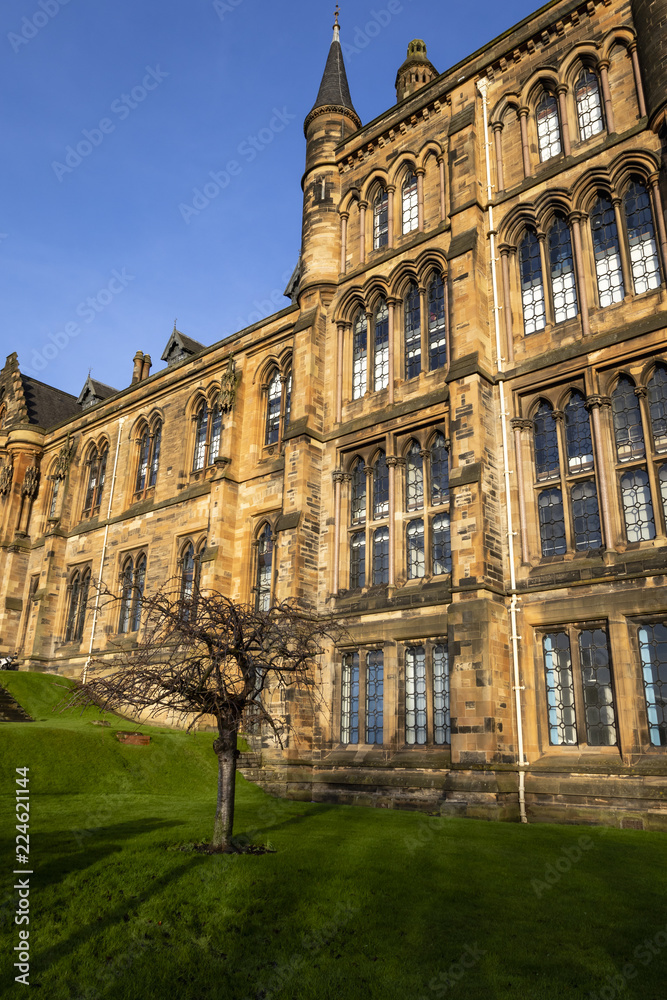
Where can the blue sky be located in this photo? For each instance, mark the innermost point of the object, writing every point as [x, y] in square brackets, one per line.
[98, 256]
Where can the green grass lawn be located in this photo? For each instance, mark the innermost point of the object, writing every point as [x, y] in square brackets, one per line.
[354, 903]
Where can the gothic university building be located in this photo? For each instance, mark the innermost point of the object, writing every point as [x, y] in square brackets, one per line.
[454, 438]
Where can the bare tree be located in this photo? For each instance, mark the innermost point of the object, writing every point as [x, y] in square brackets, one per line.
[209, 656]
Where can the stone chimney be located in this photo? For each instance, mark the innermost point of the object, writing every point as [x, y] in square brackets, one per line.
[138, 367]
[146, 367]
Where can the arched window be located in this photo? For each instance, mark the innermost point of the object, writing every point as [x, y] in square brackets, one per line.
[657, 402]
[380, 487]
[359, 356]
[641, 238]
[548, 126]
[547, 465]
[154, 462]
[415, 549]
[142, 466]
[607, 253]
[381, 220]
[589, 106]
[381, 556]
[273, 410]
[437, 326]
[55, 492]
[73, 608]
[201, 431]
[190, 571]
[288, 401]
[578, 434]
[216, 432]
[264, 569]
[358, 492]
[415, 477]
[381, 347]
[441, 541]
[133, 580]
[439, 471]
[532, 284]
[139, 583]
[628, 430]
[78, 600]
[561, 263]
[410, 203]
[97, 465]
[412, 322]
[127, 583]
[358, 559]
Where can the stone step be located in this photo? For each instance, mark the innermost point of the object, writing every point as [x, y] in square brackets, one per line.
[10, 710]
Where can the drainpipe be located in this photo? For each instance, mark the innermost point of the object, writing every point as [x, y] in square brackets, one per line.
[104, 554]
[482, 86]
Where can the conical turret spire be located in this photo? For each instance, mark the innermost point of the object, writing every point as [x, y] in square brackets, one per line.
[334, 92]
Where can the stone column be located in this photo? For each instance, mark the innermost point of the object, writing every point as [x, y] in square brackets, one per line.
[338, 477]
[343, 241]
[574, 219]
[561, 91]
[392, 463]
[420, 199]
[660, 219]
[525, 152]
[622, 248]
[391, 309]
[546, 280]
[363, 205]
[390, 215]
[339, 372]
[505, 251]
[498, 147]
[443, 207]
[519, 425]
[639, 87]
[603, 66]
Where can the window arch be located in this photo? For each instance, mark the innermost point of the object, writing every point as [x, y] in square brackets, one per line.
[415, 550]
[437, 324]
[78, 600]
[381, 556]
[657, 401]
[414, 477]
[190, 573]
[273, 401]
[380, 487]
[133, 580]
[149, 443]
[201, 433]
[410, 202]
[264, 578]
[97, 466]
[358, 492]
[142, 465]
[154, 460]
[547, 463]
[380, 219]
[439, 470]
[606, 250]
[412, 327]
[628, 431]
[561, 264]
[641, 237]
[578, 434]
[589, 105]
[359, 356]
[381, 346]
[532, 283]
[548, 126]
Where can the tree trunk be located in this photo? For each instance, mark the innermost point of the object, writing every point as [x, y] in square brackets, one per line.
[225, 749]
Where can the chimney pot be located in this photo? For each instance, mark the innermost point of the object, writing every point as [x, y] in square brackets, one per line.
[146, 367]
[138, 365]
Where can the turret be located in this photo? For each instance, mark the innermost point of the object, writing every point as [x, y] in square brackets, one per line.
[331, 119]
[650, 17]
[415, 72]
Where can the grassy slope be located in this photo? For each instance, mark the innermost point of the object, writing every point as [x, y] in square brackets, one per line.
[356, 903]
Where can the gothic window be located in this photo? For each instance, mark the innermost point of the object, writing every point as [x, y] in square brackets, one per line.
[641, 238]
[634, 482]
[415, 695]
[607, 253]
[357, 560]
[427, 717]
[589, 106]
[190, 571]
[359, 356]
[264, 577]
[55, 492]
[127, 584]
[561, 262]
[637, 505]
[380, 487]
[628, 432]
[552, 522]
[148, 459]
[578, 434]
[358, 492]
[441, 541]
[374, 696]
[548, 127]
[78, 600]
[273, 410]
[97, 465]
[349, 723]
[441, 721]
[653, 650]
[142, 467]
[439, 471]
[201, 433]
[216, 432]
[657, 401]
[412, 325]
[578, 680]
[288, 400]
[585, 516]
[381, 347]
[381, 220]
[415, 477]
[415, 550]
[410, 203]
[380, 556]
[532, 284]
[154, 462]
[547, 463]
[437, 325]
[133, 579]
[139, 583]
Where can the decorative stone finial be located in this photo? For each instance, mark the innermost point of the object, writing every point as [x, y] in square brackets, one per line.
[336, 36]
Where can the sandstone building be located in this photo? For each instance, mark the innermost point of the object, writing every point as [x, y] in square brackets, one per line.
[455, 437]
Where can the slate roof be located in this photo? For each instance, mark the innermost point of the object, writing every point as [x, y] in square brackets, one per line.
[96, 389]
[186, 344]
[334, 90]
[47, 406]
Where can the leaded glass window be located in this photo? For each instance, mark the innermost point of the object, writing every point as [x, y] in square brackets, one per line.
[374, 696]
[415, 547]
[216, 432]
[104, 454]
[560, 690]
[187, 578]
[415, 477]
[264, 569]
[585, 516]
[155, 455]
[578, 434]
[357, 560]
[139, 584]
[349, 723]
[628, 430]
[637, 505]
[561, 262]
[641, 238]
[441, 542]
[589, 106]
[201, 429]
[607, 253]
[439, 471]
[598, 695]
[358, 492]
[142, 468]
[381, 220]
[72, 611]
[54, 497]
[657, 403]
[441, 720]
[93, 480]
[653, 648]
[381, 556]
[380, 487]
[415, 696]
[288, 401]
[437, 325]
[413, 348]
[552, 522]
[547, 464]
[532, 284]
[359, 356]
[410, 203]
[126, 596]
[381, 347]
[273, 410]
[662, 482]
[548, 127]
